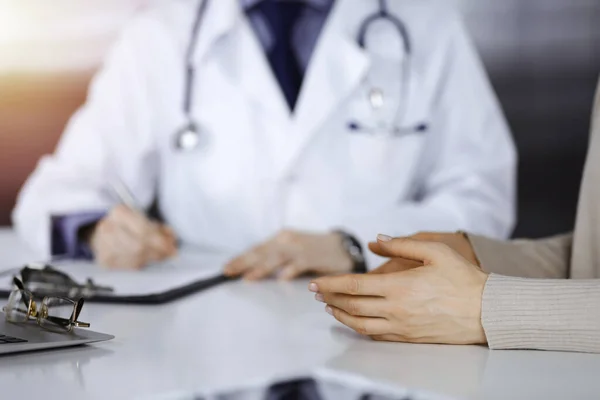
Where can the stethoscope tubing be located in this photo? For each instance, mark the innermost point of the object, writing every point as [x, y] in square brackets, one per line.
[188, 137]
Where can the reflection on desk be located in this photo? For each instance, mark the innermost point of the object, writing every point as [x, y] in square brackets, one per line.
[64, 367]
[456, 370]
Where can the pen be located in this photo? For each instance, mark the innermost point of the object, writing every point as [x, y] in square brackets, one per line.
[125, 195]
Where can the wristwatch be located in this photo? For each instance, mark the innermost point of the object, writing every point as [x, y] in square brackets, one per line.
[355, 251]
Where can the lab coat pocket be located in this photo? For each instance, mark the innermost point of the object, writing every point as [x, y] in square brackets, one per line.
[383, 159]
[387, 143]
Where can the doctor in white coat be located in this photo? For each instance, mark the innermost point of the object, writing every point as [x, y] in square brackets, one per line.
[399, 134]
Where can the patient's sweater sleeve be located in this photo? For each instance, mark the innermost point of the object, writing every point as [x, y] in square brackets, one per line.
[529, 304]
[543, 314]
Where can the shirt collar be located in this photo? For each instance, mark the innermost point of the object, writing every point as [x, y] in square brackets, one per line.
[317, 4]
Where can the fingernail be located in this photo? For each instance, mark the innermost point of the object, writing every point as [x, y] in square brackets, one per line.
[384, 238]
[313, 287]
[320, 297]
[329, 310]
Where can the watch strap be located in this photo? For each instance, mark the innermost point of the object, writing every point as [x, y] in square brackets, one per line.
[355, 251]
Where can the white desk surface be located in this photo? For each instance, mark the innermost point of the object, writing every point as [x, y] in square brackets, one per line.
[240, 332]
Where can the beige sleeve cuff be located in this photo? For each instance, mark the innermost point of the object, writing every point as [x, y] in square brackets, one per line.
[543, 314]
[542, 258]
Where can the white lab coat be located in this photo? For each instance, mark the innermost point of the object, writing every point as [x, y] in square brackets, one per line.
[260, 169]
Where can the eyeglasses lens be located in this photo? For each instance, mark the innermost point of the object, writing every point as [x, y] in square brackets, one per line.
[56, 314]
[17, 308]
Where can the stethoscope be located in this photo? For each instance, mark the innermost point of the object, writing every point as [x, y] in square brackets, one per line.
[188, 137]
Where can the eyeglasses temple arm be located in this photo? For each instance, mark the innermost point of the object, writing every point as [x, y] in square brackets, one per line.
[67, 322]
[77, 309]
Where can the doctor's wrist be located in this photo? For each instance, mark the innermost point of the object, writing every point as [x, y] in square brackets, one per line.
[354, 252]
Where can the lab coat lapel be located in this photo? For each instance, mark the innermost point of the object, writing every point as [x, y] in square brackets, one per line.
[233, 44]
[337, 67]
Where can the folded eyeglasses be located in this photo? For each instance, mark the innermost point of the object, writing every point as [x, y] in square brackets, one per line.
[53, 313]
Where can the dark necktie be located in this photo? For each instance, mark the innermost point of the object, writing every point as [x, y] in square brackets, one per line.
[281, 17]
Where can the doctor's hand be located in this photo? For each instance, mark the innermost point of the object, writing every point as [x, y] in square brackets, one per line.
[437, 302]
[126, 239]
[458, 242]
[291, 254]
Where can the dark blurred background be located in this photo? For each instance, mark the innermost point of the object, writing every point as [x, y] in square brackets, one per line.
[543, 57]
[544, 60]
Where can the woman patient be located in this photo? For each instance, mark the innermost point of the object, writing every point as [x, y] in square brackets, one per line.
[463, 289]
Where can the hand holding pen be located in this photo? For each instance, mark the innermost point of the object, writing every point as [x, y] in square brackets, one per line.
[126, 238]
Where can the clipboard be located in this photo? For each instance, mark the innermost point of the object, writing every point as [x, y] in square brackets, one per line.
[153, 298]
[160, 283]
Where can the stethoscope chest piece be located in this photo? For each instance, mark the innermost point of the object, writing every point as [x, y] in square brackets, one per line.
[376, 99]
[187, 138]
